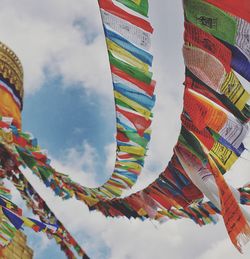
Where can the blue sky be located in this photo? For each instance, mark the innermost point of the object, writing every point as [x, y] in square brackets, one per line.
[65, 117]
[69, 108]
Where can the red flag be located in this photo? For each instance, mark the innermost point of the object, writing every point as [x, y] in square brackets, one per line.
[140, 123]
[115, 10]
[149, 89]
[238, 8]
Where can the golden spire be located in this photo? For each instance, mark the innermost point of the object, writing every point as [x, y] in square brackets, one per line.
[11, 68]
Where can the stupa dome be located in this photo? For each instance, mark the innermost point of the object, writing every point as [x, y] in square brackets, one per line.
[11, 85]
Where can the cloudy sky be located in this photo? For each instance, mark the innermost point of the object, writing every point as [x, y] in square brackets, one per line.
[69, 107]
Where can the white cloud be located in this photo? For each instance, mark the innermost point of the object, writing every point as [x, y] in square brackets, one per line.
[223, 249]
[79, 164]
[51, 36]
[110, 150]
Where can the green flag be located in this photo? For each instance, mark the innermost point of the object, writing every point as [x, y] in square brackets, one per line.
[211, 19]
[135, 72]
[139, 6]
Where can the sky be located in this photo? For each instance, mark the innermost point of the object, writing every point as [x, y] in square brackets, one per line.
[69, 107]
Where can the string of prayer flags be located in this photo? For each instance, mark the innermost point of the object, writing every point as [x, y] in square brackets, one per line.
[12, 220]
[128, 36]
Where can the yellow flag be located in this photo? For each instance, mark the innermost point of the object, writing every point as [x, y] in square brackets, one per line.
[223, 155]
[137, 107]
[126, 56]
[139, 151]
[234, 91]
